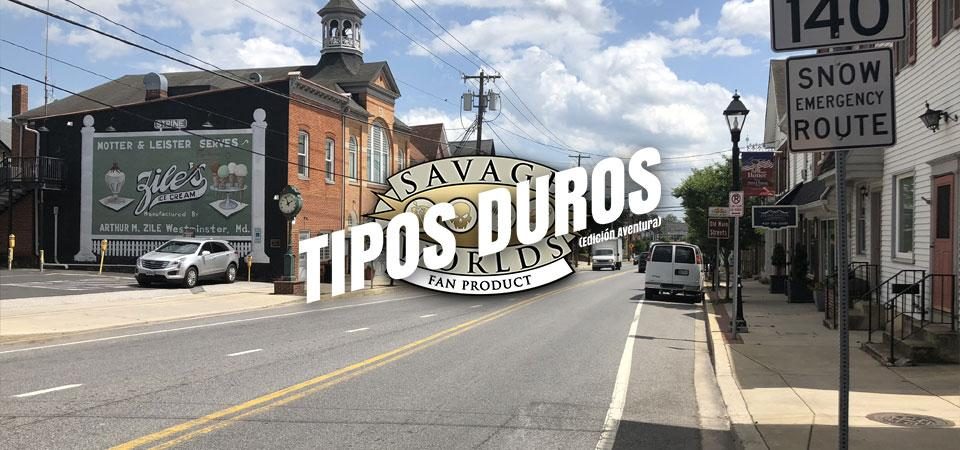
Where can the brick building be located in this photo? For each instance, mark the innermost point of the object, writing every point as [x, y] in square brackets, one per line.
[328, 129]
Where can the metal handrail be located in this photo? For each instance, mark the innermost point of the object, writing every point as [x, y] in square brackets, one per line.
[875, 296]
[919, 287]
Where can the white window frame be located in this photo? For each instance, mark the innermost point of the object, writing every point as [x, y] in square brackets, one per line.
[860, 222]
[401, 158]
[897, 216]
[328, 159]
[353, 160]
[303, 155]
[378, 155]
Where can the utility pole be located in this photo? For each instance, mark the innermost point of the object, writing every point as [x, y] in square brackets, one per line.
[579, 156]
[483, 103]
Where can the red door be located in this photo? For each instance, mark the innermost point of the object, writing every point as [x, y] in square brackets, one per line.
[944, 239]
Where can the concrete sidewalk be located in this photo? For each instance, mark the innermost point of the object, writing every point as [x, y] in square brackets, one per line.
[779, 382]
[37, 317]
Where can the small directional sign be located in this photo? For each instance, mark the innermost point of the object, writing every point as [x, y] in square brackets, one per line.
[718, 228]
[736, 203]
[718, 211]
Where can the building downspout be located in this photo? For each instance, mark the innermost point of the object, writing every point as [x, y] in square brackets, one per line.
[37, 204]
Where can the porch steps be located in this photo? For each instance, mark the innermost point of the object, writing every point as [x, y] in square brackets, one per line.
[932, 344]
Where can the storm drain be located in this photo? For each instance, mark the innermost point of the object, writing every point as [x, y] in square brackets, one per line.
[909, 420]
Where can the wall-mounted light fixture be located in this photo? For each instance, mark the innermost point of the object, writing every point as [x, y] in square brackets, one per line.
[925, 200]
[931, 118]
[863, 191]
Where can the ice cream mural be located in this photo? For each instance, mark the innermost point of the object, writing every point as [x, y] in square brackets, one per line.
[159, 183]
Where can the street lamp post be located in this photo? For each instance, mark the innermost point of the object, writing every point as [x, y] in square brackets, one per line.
[736, 115]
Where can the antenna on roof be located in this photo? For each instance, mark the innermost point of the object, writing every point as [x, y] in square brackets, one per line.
[47, 90]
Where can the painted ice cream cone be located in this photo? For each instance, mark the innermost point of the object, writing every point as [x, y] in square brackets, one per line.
[241, 172]
[222, 173]
[114, 179]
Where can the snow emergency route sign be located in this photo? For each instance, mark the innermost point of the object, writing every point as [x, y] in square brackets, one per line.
[841, 101]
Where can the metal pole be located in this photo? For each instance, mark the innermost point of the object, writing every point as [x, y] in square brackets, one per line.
[738, 320]
[716, 269]
[843, 254]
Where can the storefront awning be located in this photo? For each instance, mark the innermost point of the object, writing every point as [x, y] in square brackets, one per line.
[803, 194]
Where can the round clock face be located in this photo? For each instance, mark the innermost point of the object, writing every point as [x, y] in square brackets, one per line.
[288, 203]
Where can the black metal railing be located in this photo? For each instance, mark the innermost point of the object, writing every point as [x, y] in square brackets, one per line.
[34, 171]
[917, 305]
[883, 295]
[862, 279]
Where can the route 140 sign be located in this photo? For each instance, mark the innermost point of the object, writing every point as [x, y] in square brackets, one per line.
[800, 24]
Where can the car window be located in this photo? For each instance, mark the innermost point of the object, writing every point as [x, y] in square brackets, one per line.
[178, 247]
[684, 255]
[207, 247]
[603, 251]
[217, 247]
[662, 253]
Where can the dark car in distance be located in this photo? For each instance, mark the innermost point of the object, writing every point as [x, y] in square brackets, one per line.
[642, 262]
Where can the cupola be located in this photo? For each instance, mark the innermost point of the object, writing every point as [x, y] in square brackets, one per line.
[341, 27]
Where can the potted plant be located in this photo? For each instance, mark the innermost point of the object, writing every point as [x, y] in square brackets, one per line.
[778, 282]
[799, 285]
[820, 294]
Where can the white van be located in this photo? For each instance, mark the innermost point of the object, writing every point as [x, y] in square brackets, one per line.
[674, 268]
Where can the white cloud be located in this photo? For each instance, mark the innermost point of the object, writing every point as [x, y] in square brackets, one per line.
[745, 17]
[230, 50]
[684, 25]
[606, 99]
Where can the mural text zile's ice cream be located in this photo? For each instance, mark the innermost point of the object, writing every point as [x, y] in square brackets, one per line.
[483, 224]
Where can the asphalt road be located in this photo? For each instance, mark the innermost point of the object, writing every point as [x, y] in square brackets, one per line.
[26, 283]
[534, 370]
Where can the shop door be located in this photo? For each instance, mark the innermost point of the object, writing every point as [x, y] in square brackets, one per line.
[944, 238]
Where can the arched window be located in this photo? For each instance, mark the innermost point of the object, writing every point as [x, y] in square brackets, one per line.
[328, 159]
[401, 158]
[347, 29]
[352, 159]
[334, 28]
[378, 156]
[303, 155]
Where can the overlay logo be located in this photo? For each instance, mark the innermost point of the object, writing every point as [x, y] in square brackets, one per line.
[459, 182]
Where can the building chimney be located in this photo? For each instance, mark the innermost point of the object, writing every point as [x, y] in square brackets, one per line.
[19, 106]
[155, 86]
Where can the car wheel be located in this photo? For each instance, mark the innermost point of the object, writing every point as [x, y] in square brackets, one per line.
[190, 278]
[231, 275]
[143, 281]
[648, 294]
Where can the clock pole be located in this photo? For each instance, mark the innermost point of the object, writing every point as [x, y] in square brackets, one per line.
[288, 256]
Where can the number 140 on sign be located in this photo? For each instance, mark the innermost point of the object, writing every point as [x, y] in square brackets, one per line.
[799, 24]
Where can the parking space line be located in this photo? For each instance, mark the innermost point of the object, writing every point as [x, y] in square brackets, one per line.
[358, 329]
[45, 391]
[476, 306]
[427, 315]
[246, 352]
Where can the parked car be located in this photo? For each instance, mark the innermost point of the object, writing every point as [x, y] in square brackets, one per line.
[187, 261]
[642, 262]
[675, 268]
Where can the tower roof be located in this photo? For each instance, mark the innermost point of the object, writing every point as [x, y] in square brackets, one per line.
[341, 6]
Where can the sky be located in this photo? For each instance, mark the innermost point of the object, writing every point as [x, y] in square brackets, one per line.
[596, 76]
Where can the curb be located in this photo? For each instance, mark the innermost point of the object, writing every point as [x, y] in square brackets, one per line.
[746, 434]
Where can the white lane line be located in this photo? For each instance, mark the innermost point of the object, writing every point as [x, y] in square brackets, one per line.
[246, 352]
[427, 315]
[476, 306]
[44, 391]
[357, 329]
[615, 413]
[216, 324]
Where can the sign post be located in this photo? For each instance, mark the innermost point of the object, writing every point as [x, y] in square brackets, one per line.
[736, 211]
[837, 102]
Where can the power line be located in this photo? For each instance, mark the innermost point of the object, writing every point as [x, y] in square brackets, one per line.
[432, 32]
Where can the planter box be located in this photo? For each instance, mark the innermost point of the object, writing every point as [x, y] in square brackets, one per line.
[778, 284]
[799, 293]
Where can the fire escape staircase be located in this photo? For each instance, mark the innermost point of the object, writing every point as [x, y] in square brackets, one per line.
[20, 175]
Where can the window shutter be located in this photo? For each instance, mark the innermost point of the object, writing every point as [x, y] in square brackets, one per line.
[912, 33]
[935, 28]
[956, 13]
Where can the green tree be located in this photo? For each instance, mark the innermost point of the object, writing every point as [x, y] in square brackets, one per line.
[708, 187]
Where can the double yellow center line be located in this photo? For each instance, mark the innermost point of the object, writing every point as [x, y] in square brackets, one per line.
[186, 431]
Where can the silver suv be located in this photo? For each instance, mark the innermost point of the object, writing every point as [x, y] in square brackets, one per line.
[186, 261]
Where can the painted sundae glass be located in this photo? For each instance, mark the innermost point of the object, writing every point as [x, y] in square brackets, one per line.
[114, 179]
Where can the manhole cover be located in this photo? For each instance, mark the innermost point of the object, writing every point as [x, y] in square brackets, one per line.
[909, 420]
